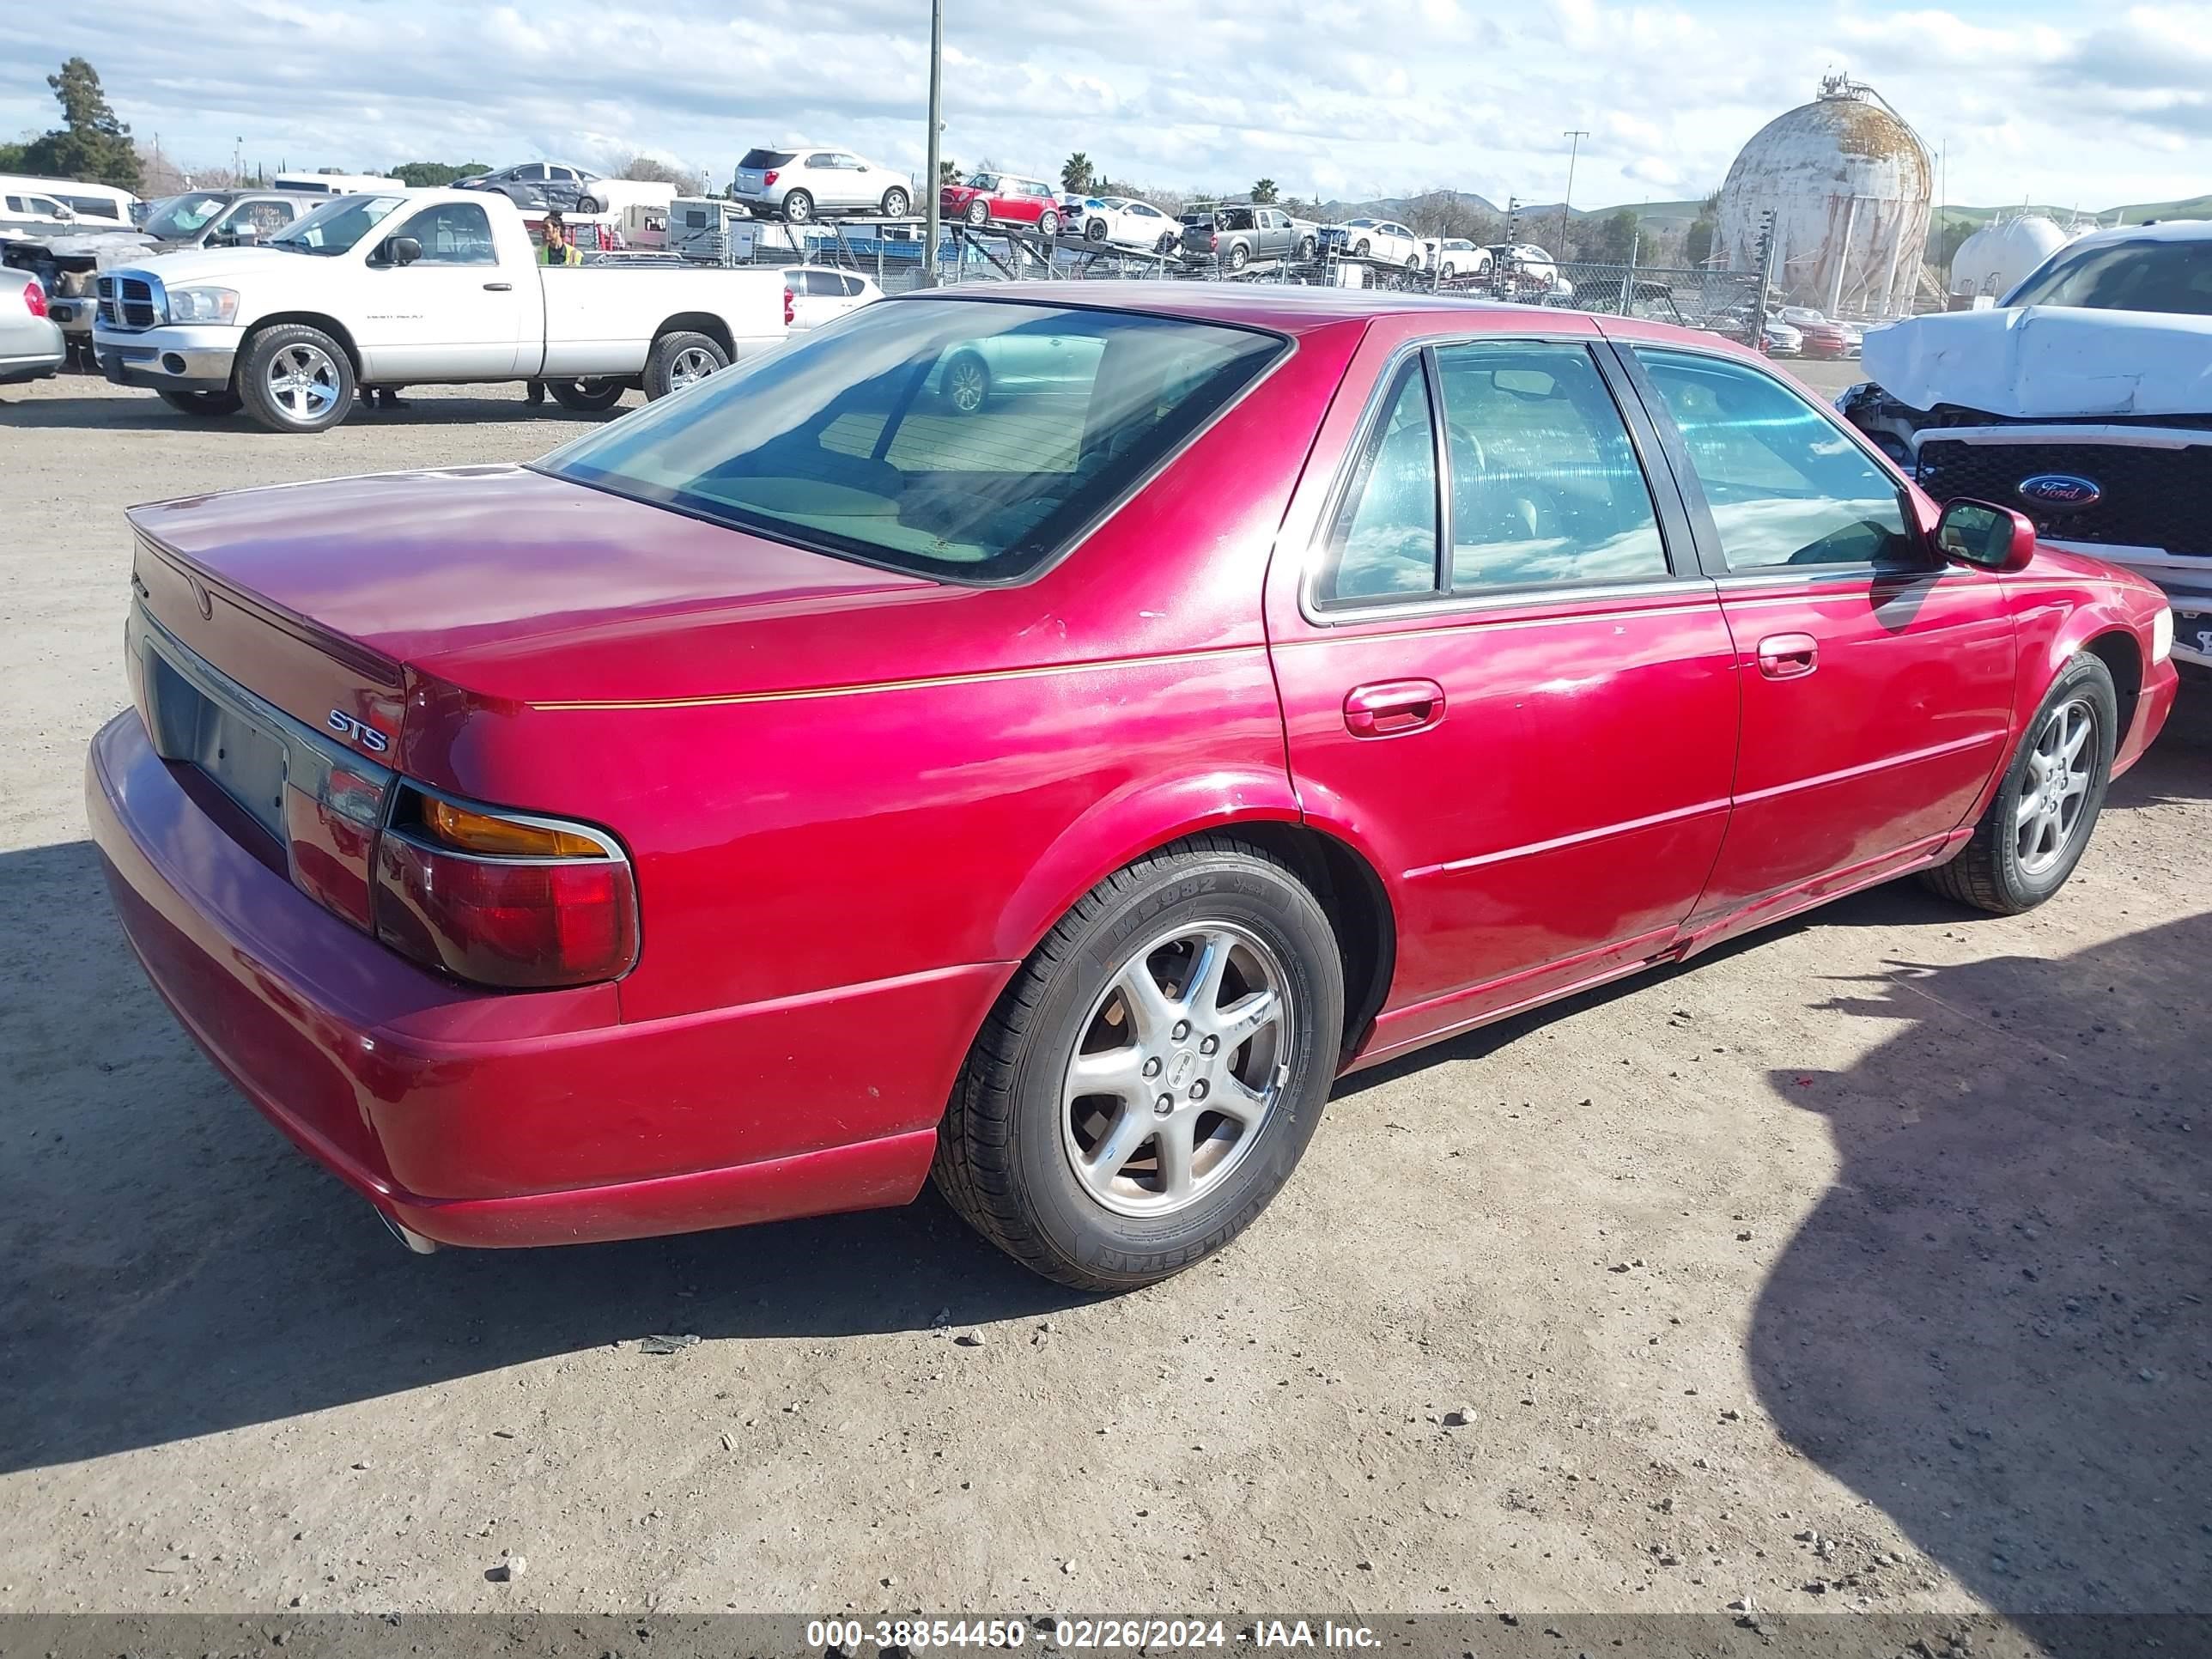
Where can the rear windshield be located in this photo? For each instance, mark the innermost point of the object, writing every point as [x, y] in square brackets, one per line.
[757, 159]
[964, 439]
[2145, 276]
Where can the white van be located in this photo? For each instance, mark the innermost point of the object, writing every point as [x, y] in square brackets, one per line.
[95, 207]
[330, 182]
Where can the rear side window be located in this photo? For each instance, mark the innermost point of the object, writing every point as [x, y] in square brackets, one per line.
[1546, 484]
[767, 158]
[961, 439]
[1383, 545]
[1785, 485]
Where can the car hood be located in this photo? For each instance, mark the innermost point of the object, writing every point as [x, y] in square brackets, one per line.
[215, 265]
[2039, 363]
[509, 583]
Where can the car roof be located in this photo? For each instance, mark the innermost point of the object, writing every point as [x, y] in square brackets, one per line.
[1292, 309]
[2167, 230]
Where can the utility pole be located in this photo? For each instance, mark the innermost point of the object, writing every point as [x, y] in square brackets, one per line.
[1576, 135]
[929, 185]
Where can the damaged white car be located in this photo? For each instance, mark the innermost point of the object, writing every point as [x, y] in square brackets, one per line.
[2084, 399]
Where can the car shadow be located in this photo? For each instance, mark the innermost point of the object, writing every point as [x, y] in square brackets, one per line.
[169, 1266]
[1993, 1325]
[2178, 767]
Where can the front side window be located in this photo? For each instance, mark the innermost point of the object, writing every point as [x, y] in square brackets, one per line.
[1382, 544]
[967, 440]
[1546, 486]
[337, 225]
[1785, 486]
[457, 234]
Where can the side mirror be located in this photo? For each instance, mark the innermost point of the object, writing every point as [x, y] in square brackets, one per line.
[1990, 537]
[403, 250]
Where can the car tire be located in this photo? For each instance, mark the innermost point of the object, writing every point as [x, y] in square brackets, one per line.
[1049, 223]
[1095, 230]
[1168, 243]
[205, 405]
[1239, 256]
[966, 384]
[799, 207]
[1364, 249]
[292, 378]
[1308, 248]
[2021, 853]
[587, 397]
[679, 358]
[589, 204]
[897, 203]
[1413, 262]
[979, 213]
[1022, 1157]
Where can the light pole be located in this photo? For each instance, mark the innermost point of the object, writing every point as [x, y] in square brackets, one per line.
[929, 185]
[1574, 148]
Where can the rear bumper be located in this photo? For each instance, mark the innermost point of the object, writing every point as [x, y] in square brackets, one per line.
[482, 1118]
[33, 351]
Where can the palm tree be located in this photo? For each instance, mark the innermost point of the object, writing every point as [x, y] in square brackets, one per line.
[1264, 191]
[1075, 171]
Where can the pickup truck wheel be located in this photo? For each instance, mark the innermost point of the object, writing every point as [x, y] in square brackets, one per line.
[799, 207]
[979, 212]
[897, 203]
[1239, 256]
[679, 358]
[1308, 248]
[296, 379]
[967, 382]
[2038, 826]
[207, 405]
[587, 396]
[1153, 1073]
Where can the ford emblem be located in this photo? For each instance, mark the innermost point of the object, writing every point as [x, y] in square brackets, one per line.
[2061, 490]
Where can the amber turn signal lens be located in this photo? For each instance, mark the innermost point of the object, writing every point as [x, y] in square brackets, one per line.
[479, 832]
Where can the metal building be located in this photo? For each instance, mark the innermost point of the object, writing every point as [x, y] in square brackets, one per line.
[1998, 257]
[1851, 186]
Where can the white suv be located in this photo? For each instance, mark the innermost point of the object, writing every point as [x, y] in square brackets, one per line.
[799, 184]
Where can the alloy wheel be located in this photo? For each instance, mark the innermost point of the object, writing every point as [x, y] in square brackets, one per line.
[303, 382]
[694, 363]
[2055, 787]
[1182, 1058]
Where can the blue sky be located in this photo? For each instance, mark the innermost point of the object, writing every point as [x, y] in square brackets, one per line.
[2092, 105]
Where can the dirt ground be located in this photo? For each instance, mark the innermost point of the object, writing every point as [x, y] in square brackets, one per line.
[1860, 1266]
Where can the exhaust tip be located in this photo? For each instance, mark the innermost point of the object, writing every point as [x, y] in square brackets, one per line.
[415, 1243]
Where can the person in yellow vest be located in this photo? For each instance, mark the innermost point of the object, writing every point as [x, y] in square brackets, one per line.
[560, 249]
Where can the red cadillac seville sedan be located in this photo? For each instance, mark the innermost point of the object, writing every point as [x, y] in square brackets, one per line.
[1044, 735]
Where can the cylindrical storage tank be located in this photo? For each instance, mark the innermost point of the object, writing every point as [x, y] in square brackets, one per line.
[1851, 187]
[1995, 259]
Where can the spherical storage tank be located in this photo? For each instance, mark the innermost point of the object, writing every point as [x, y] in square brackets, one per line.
[1850, 185]
[1997, 258]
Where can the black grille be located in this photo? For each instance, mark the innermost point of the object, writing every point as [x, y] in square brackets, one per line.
[2152, 497]
[126, 302]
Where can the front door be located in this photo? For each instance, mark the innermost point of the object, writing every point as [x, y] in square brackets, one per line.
[1505, 680]
[453, 313]
[1877, 680]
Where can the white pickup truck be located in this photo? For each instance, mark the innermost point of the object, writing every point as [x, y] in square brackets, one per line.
[412, 287]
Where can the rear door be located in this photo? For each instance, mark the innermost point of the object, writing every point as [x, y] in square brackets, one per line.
[1877, 681]
[1503, 677]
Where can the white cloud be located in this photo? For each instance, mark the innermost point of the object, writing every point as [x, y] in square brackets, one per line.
[2032, 100]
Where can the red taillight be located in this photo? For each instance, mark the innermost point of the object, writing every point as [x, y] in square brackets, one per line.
[789, 313]
[768, 177]
[512, 923]
[36, 298]
[1212, 240]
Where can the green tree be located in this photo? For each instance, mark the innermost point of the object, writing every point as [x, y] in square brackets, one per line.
[1263, 190]
[91, 144]
[1075, 172]
[1698, 241]
[437, 175]
[948, 170]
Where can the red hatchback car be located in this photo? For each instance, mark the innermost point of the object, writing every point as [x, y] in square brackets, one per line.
[802, 783]
[1002, 198]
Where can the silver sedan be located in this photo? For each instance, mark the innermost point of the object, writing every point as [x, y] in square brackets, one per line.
[30, 340]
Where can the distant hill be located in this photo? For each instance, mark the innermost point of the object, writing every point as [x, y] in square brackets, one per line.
[1674, 217]
[2195, 207]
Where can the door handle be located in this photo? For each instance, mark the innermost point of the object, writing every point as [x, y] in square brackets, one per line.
[1391, 708]
[1787, 656]
[499, 288]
